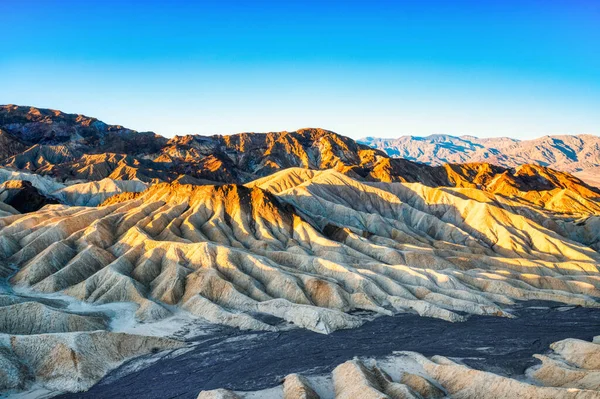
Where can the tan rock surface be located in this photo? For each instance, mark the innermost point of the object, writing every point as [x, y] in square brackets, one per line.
[35, 318]
[72, 361]
[306, 247]
[296, 386]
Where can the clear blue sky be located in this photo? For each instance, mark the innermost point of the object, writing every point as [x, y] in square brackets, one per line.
[377, 68]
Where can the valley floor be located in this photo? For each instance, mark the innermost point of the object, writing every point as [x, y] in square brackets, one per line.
[249, 361]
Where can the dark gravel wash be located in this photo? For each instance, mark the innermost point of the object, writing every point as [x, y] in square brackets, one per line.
[252, 361]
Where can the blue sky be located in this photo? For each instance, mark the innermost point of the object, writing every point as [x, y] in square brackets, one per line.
[361, 68]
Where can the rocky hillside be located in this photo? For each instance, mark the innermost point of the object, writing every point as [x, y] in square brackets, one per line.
[75, 148]
[68, 146]
[45, 127]
[579, 155]
[23, 196]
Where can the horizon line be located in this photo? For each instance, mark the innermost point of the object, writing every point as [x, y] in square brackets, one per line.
[362, 138]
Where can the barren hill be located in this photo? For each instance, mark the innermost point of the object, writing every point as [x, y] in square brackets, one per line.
[300, 246]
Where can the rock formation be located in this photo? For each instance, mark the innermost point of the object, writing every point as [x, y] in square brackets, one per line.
[71, 147]
[264, 232]
[42, 342]
[69, 361]
[94, 193]
[305, 247]
[29, 192]
[23, 196]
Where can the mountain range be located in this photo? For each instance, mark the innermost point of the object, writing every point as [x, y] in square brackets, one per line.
[116, 244]
[59, 150]
[579, 155]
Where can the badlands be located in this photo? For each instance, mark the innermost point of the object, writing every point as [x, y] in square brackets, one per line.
[123, 251]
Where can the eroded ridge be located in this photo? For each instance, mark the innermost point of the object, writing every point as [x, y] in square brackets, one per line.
[306, 247]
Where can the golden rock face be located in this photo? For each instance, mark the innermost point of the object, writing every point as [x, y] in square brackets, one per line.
[77, 147]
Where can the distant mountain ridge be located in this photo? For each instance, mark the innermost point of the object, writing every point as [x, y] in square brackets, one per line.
[579, 154]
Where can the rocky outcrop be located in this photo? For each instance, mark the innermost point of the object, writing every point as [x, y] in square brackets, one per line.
[29, 191]
[9, 145]
[531, 184]
[48, 127]
[44, 343]
[36, 318]
[572, 363]
[44, 184]
[71, 147]
[23, 196]
[296, 386]
[96, 192]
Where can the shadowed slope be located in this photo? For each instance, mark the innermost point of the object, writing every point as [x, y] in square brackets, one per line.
[23, 196]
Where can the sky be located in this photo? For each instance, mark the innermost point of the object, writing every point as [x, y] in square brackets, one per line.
[522, 69]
